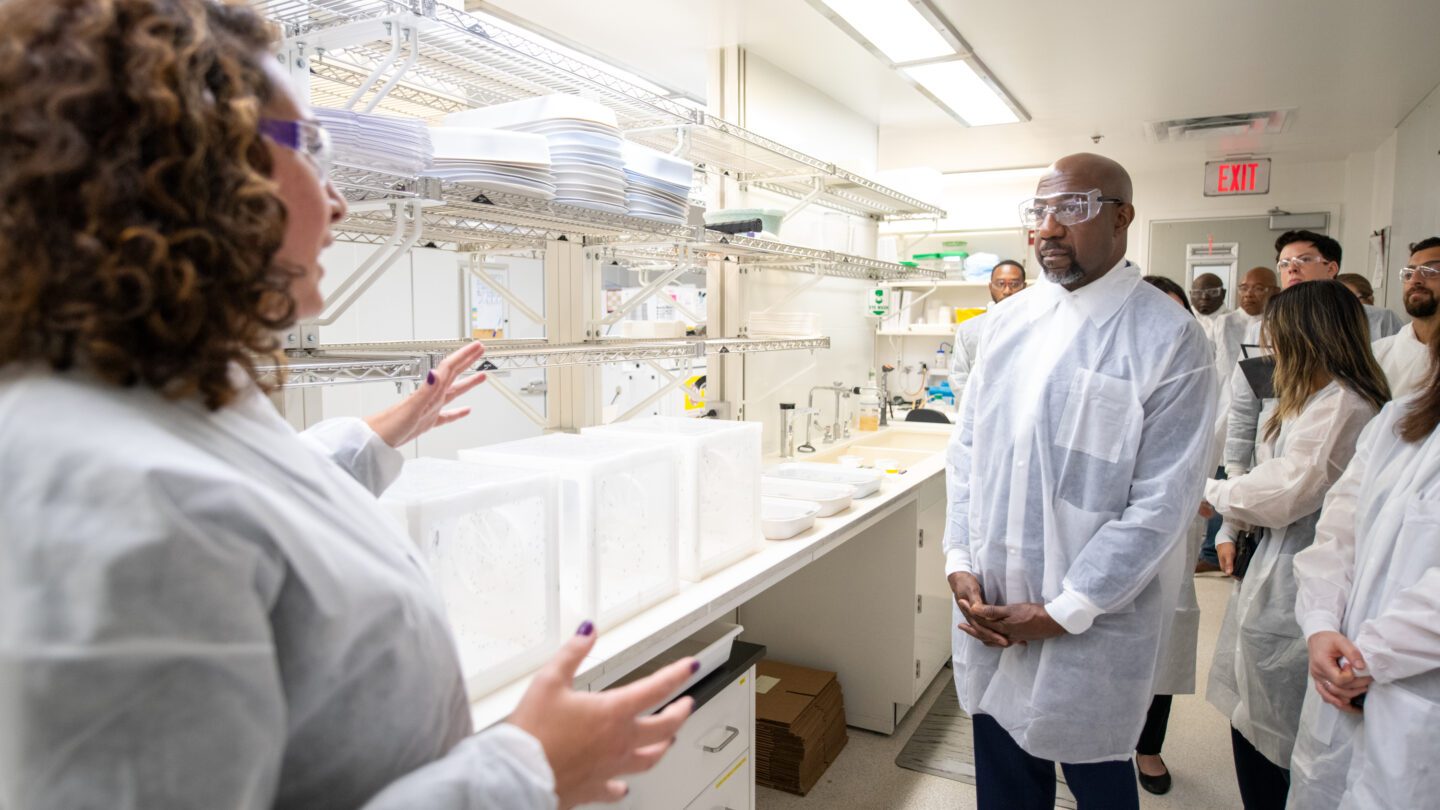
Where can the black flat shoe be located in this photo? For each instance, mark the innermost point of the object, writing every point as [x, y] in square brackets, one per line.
[1159, 785]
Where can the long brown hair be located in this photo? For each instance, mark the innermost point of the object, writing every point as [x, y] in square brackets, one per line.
[138, 224]
[1423, 415]
[1316, 328]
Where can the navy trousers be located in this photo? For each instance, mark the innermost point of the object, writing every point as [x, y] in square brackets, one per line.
[1007, 778]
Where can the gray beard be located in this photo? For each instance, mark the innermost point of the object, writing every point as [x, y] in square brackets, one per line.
[1075, 275]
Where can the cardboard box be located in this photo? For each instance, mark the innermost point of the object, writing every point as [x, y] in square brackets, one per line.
[800, 725]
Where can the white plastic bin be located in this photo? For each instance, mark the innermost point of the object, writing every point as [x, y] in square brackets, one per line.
[618, 529]
[719, 485]
[491, 540]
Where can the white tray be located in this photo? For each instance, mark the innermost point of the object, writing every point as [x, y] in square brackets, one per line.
[782, 519]
[866, 483]
[831, 498]
[711, 647]
[490, 145]
[532, 110]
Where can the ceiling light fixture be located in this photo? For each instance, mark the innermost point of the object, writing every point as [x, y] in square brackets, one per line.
[919, 43]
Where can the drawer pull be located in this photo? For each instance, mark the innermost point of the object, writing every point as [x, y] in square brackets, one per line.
[729, 738]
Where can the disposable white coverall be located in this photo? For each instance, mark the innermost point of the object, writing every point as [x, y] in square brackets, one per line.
[205, 610]
[962, 356]
[1383, 322]
[1257, 677]
[1373, 575]
[1076, 467]
[1405, 361]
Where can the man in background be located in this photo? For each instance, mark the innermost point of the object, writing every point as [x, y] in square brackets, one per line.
[1405, 356]
[1254, 292]
[1006, 279]
[1207, 298]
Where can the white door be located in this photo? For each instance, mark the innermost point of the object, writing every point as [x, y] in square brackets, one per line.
[1220, 258]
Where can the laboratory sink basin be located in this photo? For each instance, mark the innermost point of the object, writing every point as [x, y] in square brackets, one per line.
[870, 455]
[930, 440]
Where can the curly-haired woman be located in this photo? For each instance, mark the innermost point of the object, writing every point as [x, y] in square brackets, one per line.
[199, 607]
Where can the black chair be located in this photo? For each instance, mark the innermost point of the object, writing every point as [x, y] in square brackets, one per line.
[927, 415]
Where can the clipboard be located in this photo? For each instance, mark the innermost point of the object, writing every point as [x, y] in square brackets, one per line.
[1259, 371]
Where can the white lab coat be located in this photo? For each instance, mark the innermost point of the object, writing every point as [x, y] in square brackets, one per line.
[1076, 467]
[1175, 672]
[1405, 361]
[206, 610]
[1229, 335]
[1373, 575]
[962, 356]
[1211, 324]
[1257, 677]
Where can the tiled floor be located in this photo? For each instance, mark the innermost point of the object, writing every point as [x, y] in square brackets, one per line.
[1197, 750]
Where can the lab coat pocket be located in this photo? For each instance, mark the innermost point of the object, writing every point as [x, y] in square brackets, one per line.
[1401, 736]
[1099, 414]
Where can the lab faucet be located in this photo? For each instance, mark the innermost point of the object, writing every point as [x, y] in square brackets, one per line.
[839, 390]
[882, 392]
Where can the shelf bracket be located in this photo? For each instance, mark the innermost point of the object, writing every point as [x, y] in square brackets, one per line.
[474, 263]
[804, 202]
[407, 213]
[520, 405]
[413, 35]
[393, 28]
[680, 269]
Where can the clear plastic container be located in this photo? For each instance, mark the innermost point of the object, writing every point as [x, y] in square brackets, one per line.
[869, 413]
[618, 527]
[719, 485]
[491, 540]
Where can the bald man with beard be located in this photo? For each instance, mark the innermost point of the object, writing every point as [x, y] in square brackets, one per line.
[1075, 468]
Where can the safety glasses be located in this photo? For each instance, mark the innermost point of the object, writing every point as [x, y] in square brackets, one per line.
[1207, 295]
[1299, 262]
[306, 137]
[1427, 272]
[1068, 208]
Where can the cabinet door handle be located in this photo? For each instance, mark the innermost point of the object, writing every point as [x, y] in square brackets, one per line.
[729, 738]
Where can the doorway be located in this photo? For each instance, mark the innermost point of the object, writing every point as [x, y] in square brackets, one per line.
[1182, 249]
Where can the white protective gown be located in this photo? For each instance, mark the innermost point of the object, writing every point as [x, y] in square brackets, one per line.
[1211, 324]
[205, 610]
[1257, 677]
[1076, 467]
[1373, 575]
[962, 356]
[1405, 361]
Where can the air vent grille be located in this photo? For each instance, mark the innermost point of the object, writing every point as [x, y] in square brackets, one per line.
[1270, 122]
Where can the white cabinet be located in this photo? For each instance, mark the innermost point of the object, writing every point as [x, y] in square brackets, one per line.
[709, 766]
[876, 611]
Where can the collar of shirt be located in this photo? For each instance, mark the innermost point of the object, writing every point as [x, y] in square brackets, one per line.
[1100, 299]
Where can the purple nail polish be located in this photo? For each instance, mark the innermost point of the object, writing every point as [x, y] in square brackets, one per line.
[430, 378]
[586, 628]
[694, 667]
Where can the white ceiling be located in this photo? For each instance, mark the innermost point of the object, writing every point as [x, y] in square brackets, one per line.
[1351, 70]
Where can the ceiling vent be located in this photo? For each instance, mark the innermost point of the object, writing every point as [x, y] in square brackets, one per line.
[1235, 125]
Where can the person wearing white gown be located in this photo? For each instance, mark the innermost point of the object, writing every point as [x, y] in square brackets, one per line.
[1369, 605]
[1328, 387]
[200, 608]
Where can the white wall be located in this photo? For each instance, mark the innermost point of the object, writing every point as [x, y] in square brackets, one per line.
[1416, 206]
[782, 108]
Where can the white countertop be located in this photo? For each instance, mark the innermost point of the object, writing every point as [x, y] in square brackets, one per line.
[698, 604]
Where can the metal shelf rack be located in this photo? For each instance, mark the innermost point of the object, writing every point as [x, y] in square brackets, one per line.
[750, 252]
[410, 360]
[463, 61]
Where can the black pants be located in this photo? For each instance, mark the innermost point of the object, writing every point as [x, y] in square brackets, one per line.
[1157, 720]
[1263, 784]
[1007, 778]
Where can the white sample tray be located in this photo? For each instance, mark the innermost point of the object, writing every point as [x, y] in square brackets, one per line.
[710, 646]
[782, 519]
[491, 540]
[866, 483]
[718, 478]
[831, 498]
[618, 530]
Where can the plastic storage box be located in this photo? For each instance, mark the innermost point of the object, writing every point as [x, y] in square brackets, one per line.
[618, 532]
[719, 492]
[491, 539]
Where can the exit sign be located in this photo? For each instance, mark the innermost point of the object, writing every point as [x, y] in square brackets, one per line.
[1228, 178]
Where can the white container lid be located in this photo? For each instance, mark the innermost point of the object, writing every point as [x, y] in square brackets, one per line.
[427, 479]
[654, 163]
[490, 145]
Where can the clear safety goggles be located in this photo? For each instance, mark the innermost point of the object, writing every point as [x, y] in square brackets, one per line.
[1207, 295]
[1299, 262]
[1427, 272]
[306, 137]
[1068, 208]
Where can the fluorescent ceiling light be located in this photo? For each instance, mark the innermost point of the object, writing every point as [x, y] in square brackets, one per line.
[895, 27]
[957, 86]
